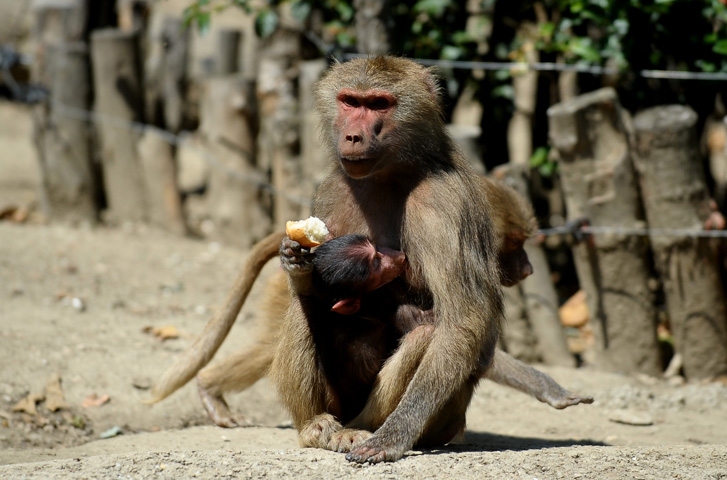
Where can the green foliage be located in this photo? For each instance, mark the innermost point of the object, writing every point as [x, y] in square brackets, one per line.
[691, 34]
[639, 34]
[266, 22]
[541, 161]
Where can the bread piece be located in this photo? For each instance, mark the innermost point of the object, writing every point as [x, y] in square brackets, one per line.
[310, 232]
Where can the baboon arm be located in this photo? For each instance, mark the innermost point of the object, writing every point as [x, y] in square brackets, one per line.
[511, 372]
[396, 374]
[467, 301]
[295, 370]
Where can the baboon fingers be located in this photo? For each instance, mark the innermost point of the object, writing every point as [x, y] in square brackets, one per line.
[318, 432]
[347, 439]
[374, 450]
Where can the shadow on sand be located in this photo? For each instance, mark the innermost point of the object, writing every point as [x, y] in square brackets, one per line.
[489, 442]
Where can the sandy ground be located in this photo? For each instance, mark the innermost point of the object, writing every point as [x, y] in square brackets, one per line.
[75, 307]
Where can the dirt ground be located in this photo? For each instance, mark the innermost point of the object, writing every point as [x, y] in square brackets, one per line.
[78, 309]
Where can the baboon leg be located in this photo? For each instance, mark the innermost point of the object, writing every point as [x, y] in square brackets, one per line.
[511, 372]
[234, 373]
[393, 379]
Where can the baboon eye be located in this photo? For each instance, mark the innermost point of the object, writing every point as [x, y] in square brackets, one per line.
[350, 101]
[379, 103]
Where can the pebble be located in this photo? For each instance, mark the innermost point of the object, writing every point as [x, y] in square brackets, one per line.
[630, 417]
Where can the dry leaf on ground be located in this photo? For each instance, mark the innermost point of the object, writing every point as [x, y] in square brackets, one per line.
[94, 400]
[163, 333]
[54, 398]
[27, 404]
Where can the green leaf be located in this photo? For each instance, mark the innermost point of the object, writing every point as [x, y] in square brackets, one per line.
[461, 37]
[503, 91]
[434, 8]
[547, 29]
[539, 157]
[300, 9]
[706, 66]
[189, 14]
[450, 52]
[266, 23]
[720, 47]
[621, 26]
[203, 22]
[547, 169]
[582, 47]
[345, 11]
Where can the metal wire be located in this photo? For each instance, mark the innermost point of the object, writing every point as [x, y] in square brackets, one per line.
[560, 67]
[172, 139]
[643, 232]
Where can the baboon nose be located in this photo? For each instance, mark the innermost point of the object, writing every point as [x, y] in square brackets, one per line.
[353, 138]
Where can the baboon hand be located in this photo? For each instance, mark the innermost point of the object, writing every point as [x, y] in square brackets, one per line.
[295, 259]
[376, 450]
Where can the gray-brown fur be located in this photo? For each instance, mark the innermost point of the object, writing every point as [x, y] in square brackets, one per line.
[224, 376]
[414, 193]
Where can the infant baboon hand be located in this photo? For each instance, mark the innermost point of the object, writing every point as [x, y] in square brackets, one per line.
[295, 259]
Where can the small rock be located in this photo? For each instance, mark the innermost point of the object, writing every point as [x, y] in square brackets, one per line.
[78, 304]
[141, 383]
[631, 418]
[111, 432]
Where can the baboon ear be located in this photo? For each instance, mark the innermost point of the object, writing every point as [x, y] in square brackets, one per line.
[431, 80]
[347, 306]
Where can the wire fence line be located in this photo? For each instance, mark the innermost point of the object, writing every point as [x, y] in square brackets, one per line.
[178, 140]
[174, 140]
[561, 67]
[635, 231]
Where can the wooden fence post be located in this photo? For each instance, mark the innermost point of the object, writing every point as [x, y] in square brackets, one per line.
[525, 94]
[279, 135]
[675, 196]
[314, 163]
[174, 72]
[119, 102]
[62, 135]
[70, 191]
[159, 173]
[235, 200]
[599, 183]
[372, 26]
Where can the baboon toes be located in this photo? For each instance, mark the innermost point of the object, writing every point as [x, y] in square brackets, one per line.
[347, 439]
